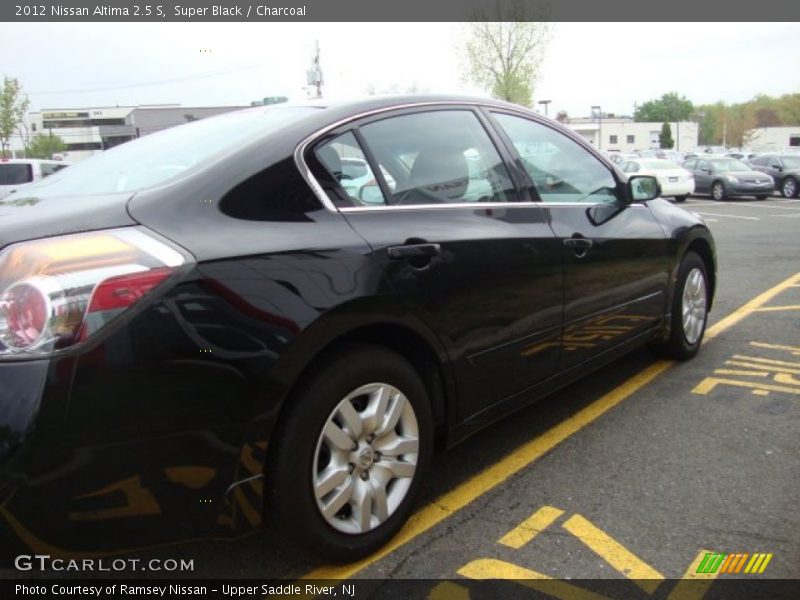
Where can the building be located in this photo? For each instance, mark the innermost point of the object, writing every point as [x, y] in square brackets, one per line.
[89, 130]
[623, 134]
[773, 139]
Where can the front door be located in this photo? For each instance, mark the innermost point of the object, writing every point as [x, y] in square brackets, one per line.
[443, 216]
[615, 254]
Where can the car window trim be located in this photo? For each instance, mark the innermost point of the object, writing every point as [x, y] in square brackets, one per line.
[308, 142]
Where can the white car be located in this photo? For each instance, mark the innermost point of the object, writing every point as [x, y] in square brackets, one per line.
[676, 182]
[16, 173]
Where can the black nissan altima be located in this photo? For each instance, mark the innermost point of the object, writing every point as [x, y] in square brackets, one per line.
[215, 326]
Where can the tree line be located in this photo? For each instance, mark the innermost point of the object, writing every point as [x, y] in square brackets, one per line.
[722, 123]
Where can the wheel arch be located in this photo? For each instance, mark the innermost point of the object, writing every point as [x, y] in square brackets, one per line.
[387, 324]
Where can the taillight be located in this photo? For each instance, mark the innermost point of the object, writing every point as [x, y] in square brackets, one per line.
[56, 292]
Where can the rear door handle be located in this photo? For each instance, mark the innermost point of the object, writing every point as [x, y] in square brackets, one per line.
[411, 251]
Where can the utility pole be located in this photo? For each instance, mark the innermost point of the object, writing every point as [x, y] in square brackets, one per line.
[314, 75]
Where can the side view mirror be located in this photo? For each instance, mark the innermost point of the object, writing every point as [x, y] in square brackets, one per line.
[642, 188]
[777, 167]
[370, 194]
[706, 171]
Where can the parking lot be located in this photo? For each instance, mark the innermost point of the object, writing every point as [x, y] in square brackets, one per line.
[634, 473]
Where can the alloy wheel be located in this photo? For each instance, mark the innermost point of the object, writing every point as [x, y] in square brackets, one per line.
[694, 305]
[789, 188]
[366, 458]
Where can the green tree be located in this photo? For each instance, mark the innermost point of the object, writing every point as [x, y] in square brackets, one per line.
[670, 107]
[789, 109]
[44, 146]
[13, 106]
[504, 53]
[665, 139]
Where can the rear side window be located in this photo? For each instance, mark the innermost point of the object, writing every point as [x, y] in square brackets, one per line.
[561, 170]
[347, 166]
[438, 157]
[15, 173]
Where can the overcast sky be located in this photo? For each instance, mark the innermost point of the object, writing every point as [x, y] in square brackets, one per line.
[610, 64]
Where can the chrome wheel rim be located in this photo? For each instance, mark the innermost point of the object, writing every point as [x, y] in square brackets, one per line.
[789, 188]
[694, 305]
[717, 191]
[366, 458]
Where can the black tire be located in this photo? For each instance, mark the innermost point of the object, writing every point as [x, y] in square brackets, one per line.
[677, 346]
[761, 197]
[789, 188]
[720, 195]
[680, 199]
[290, 505]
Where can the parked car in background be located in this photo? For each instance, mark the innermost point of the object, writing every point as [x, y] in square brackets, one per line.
[620, 157]
[16, 173]
[675, 181]
[671, 155]
[239, 339]
[784, 170]
[723, 178]
[715, 150]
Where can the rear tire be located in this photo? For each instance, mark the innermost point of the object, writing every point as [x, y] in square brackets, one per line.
[680, 199]
[689, 310]
[341, 504]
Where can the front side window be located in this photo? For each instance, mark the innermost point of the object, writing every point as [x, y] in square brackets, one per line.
[438, 157]
[561, 170]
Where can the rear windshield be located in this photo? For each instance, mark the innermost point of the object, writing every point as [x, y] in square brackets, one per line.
[158, 157]
[659, 164]
[15, 173]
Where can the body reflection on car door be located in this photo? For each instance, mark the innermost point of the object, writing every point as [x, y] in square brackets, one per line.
[615, 254]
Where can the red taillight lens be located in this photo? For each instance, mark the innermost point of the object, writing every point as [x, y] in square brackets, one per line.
[58, 291]
[122, 291]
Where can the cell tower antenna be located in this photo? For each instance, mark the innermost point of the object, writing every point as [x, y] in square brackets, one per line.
[314, 75]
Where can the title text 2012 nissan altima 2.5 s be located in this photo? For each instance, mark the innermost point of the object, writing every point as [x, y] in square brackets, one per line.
[209, 324]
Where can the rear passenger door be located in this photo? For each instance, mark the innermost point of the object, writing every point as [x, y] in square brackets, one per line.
[455, 242]
[615, 254]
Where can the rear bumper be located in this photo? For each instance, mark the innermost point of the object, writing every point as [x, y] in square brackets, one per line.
[677, 188]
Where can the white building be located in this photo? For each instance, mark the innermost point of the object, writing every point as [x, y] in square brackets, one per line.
[774, 139]
[623, 134]
[86, 131]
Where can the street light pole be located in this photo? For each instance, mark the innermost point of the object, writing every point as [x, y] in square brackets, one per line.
[545, 102]
[599, 125]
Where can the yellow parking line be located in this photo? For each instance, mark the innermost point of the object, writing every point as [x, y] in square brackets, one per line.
[779, 308]
[475, 487]
[693, 585]
[614, 553]
[751, 306]
[489, 568]
[530, 527]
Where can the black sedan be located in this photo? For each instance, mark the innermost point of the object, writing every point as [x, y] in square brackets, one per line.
[212, 326]
[784, 170]
[723, 177]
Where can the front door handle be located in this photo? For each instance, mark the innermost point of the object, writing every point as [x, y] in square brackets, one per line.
[579, 245]
[414, 251]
